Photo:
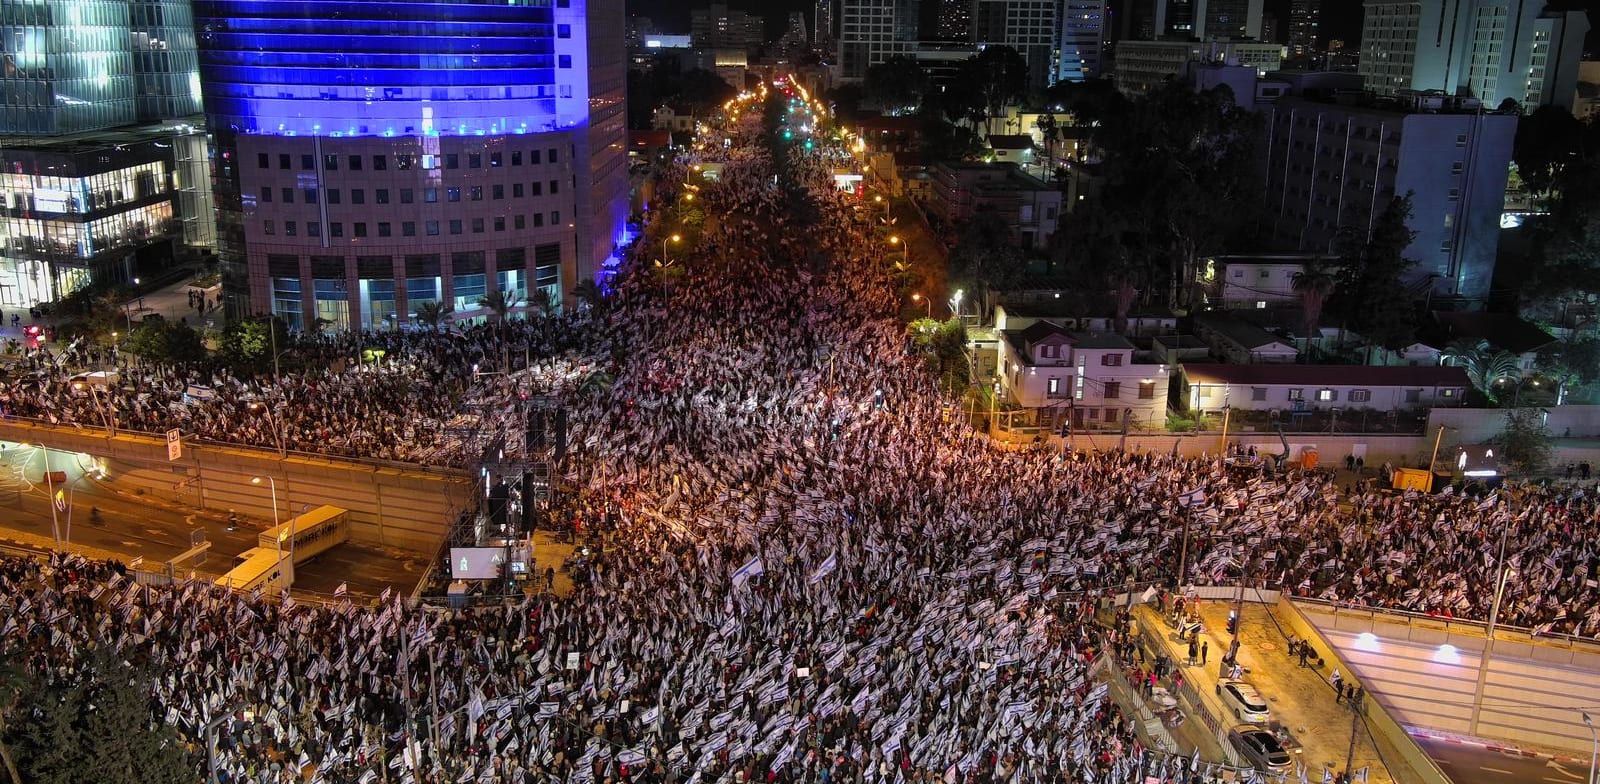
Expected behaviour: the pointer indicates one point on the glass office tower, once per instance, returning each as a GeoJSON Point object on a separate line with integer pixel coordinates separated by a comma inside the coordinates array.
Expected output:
{"type": "Point", "coordinates": [374, 156]}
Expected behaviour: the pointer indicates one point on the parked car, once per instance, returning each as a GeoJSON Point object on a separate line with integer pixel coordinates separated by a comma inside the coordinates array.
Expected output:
{"type": "Point", "coordinates": [1258, 745]}
{"type": "Point", "coordinates": [1242, 700]}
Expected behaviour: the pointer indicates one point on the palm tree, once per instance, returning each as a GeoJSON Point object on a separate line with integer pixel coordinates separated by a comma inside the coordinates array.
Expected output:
{"type": "Point", "coordinates": [1314, 282]}
{"type": "Point", "coordinates": [430, 313]}
{"type": "Point", "coordinates": [499, 302]}
{"type": "Point", "coordinates": [1484, 367]}
{"type": "Point", "coordinates": [589, 293]}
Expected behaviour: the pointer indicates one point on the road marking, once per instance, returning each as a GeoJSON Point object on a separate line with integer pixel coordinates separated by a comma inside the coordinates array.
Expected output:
{"type": "Point", "coordinates": [1495, 770]}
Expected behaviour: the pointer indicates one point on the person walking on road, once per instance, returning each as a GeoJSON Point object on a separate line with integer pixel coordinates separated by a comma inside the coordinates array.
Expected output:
{"type": "Point", "coordinates": [1194, 651]}
{"type": "Point", "coordinates": [1205, 650]}
{"type": "Point", "coordinates": [1335, 679]}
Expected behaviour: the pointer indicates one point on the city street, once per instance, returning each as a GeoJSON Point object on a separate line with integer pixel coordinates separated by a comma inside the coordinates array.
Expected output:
{"type": "Point", "coordinates": [1298, 697]}
{"type": "Point", "coordinates": [133, 526]}
{"type": "Point", "coordinates": [1470, 763]}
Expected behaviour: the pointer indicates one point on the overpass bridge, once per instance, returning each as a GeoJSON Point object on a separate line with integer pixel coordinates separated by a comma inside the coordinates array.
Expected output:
{"type": "Point", "coordinates": [397, 505]}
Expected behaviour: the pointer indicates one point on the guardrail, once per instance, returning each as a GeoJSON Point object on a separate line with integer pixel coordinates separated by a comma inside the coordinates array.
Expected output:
{"type": "Point", "coordinates": [102, 431]}
{"type": "Point", "coordinates": [1410, 619]}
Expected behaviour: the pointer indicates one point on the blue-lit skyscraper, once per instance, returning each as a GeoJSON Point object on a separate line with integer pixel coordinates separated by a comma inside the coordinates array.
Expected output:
{"type": "Point", "coordinates": [377, 155]}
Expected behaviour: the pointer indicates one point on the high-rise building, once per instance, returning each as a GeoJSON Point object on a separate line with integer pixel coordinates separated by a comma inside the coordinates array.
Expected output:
{"type": "Point", "coordinates": [955, 21]}
{"type": "Point", "coordinates": [719, 27]}
{"type": "Point", "coordinates": [1305, 22]}
{"type": "Point", "coordinates": [1270, 31]}
{"type": "Point", "coordinates": [822, 32]}
{"type": "Point", "coordinates": [69, 66]}
{"type": "Point", "coordinates": [872, 31]}
{"type": "Point", "coordinates": [1492, 50]}
{"type": "Point", "coordinates": [104, 163]}
{"type": "Point", "coordinates": [375, 157]}
{"type": "Point", "coordinates": [795, 40]}
{"type": "Point", "coordinates": [1029, 26]}
{"type": "Point", "coordinates": [1204, 19]}
{"type": "Point", "coordinates": [1060, 39]}
{"type": "Point", "coordinates": [1081, 48]}
{"type": "Point", "coordinates": [1336, 166]}
{"type": "Point", "coordinates": [1145, 65]}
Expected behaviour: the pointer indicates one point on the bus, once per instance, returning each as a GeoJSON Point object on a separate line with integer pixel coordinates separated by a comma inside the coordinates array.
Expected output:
{"type": "Point", "coordinates": [310, 534]}
{"type": "Point", "coordinates": [260, 567]}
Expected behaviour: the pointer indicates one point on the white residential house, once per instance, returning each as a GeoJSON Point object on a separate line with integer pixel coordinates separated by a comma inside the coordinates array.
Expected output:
{"type": "Point", "coordinates": [1091, 379]}
{"type": "Point", "coordinates": [1242, 342]}
{"type": "Point", "coordinates": [1290, 388]}
{"type": "Point", "coordinates": [1415, 355]}
{"type": "Point", "coordinates": [1024, 309]}
{"type": "Point", "coordinates": [1258, 282]}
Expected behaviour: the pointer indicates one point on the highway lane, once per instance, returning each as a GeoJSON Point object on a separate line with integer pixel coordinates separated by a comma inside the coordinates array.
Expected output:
{"type": "Point", "coordinates": [133, 526]}
{"type": "Point", "coordinates": [1468, 763]}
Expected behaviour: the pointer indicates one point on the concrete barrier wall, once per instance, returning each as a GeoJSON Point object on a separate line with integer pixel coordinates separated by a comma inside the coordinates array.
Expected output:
{"type": "Point", "coordinates": [1427, 673]}
{"type": "Point", "coordinates": [390, 505]}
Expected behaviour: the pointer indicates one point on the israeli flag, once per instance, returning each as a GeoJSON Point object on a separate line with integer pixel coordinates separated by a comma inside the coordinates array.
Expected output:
{"type": "Point", "coordinates": [1193, 497]}
{"type": "Point", "coordinates": [750, 569]}
{"type": "Point", "coordinates": [825, 568]}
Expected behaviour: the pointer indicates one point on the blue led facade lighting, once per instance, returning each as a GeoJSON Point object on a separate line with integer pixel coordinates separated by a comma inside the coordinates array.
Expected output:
{"type": "Point", "coordinates": [392, 68]}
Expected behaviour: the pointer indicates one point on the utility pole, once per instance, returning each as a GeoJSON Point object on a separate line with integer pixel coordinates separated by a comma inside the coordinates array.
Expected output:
{"type": "Point", "coordinates": [1357, 704]}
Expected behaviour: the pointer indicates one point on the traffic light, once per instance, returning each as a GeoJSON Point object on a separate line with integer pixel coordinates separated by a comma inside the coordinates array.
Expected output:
{"type": "Point", "coordinates": [1233, 624]}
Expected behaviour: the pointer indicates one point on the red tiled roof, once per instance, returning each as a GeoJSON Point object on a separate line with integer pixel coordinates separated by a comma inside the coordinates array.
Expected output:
{"type": "Point", "coordinates": [1326, 375]}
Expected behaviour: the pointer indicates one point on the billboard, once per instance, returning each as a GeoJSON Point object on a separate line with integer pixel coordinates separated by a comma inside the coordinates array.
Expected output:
{"type": "Point", "coordinates": [476, 563]}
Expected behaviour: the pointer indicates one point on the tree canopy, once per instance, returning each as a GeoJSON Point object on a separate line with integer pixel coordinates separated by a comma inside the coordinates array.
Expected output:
{"type": "Point", "coordinates": [1177, 165]}
{"type": "Point", "coordinates": [896, 85]}
{"type": "Point", "coordinates": [93, 727]}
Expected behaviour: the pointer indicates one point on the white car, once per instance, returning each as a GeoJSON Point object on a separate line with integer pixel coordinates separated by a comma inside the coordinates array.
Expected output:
{"type": "Point", "coordinates": [1243, 700]}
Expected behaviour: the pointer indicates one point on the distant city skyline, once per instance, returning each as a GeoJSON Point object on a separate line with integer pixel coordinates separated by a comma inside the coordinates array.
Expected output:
{"type": "Point", "coordinates": [1340, 20]}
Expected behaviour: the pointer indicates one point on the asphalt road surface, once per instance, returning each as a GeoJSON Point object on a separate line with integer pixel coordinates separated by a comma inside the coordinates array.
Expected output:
{"type": "Point", "coordinates": [1466, 763]}
{"type": "Point", "coordinates": [159, 531]}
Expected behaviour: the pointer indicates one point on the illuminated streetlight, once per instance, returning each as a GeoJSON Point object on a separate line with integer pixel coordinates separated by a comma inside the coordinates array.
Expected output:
{"type": "Point", "coordinates": [925, 301]}
{"type": "Point", "coordinates": [273, 483]}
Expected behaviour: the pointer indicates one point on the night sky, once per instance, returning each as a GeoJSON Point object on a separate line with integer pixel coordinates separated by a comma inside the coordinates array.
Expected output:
{"type": "Point", "coordinates": [1341, 18]}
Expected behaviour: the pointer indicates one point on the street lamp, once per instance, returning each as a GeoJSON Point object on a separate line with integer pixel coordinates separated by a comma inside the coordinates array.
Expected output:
{"type": "Point", "coordinates": [277, 535]}
{"type": "Point", "coordinates": [925, 301]}
{"type": "Point", "coordinates": [1594, 751]}
{"type": "Point", "coordinates": [261, 409]}
{"type": "Point", "coordinates": [1488, 644]}
{"type": "Point", "coordinates": [50, 482]}
{"type": "Point", "coordinates": [103, 405]}
{"type": "Point", "coordinates": [955, 303]}
{"type": "Point", "coordinates": [673, 238]}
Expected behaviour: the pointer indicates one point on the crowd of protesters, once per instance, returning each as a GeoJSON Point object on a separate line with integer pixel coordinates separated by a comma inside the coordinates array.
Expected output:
{"type": "Point", "coordinates": [819, 573]}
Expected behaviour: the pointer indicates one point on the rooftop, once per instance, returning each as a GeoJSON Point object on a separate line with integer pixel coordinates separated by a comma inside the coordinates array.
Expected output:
{"type": "Point", "coordinates": [1500, 330]}
{"type": "Point", "coordinates": [1326, 375]}
{"type": "Point", "coordinates": [89, 141]}
{"type": "Point", "coordinates": [1010, 141]}
{"type": "Point", "coordinates": [1244, 333]}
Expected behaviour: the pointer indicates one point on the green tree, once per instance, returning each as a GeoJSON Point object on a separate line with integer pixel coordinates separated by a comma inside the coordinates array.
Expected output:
{"type": "Point", "coordinates": [1484, 367]}
{"type": "Point", "coordinates": [1177, 164]}
{"type": "Point", "coordinates": [943, 346]}
{"type": "Point", "coordinates": [431, 313]}
{"type": "Point", "coordinates": [14, 683]}
{"type": "Point", "coordinates": [1525, 444]}
{"type": "Point", "coordinates": [247, 344]}
{"type": "Point", "coordinates": [1548, 141]}
{"type": "Point", "coordinates": [1372, 296]}
{"type": "Point", "coordinates": [1314, 282]}
{"type": "Point", "coordinates": [499, 302]}
{"type": "Point", "coordinates": [896, 85]}
{"type": "Point", "coordinates": [589, 295]}
{"type": "Point", "coordinates": [96, 727]}
{"type": "Point", "coordinates": [988, 82]}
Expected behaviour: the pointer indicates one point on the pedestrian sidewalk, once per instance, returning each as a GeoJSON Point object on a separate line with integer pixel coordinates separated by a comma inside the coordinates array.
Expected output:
{"type": "Point", "coordinates": [172, 303]}
{"type": "Point", "coordinates": [1301, 699]}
